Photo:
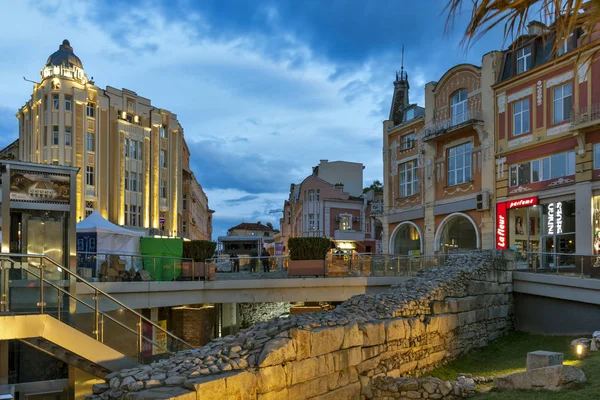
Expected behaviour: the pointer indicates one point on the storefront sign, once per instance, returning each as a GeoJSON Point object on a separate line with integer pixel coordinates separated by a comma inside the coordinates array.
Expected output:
{"type": "Point", "coordinates": [555, 218]}
{"type": "Point", "coordinates": [278, 249]}
{"type": "Point", "coordinates": [527, 202]}
{"type": "Point", "coordinates": [501, 227]}
{"type": "Point", "coordinates": [160, 337]}
{"type": "Point", "coordinates": [39, 187]}
{"type": "Point", "coordinates": [502, 220]}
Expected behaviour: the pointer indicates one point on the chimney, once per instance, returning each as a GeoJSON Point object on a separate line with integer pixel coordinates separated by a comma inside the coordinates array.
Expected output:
{"type": "Point", "coordinates": [536, 28]}
{"type": "Point", "coordinates": [339, 186]}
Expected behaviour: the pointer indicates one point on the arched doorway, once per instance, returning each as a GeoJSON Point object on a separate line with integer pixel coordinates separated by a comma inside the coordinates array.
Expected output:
{"type": "Point", "coordinates": [405, 239]}
{"type": "Point", "coordinates": [457, 232]}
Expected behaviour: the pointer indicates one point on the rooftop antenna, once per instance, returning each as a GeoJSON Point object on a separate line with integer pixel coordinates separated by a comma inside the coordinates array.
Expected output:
{"type": "Point", "coordinates": [401, 75]}
{"type": "Point", "coordinates": [402, 66]}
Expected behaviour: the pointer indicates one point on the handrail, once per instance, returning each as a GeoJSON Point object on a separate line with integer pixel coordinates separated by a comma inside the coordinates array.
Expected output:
{"type": "Point", "coordinates": [126, 255]}
{"type": "Point", "coordinates": [97, 291]}
{"type": "Point", "coordinates": [122, 325]}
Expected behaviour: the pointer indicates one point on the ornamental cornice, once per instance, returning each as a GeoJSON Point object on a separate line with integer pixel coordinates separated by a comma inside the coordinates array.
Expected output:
{"type": "Point", "coordinates": [557, 80]}
{"type": "Point", "coordinates": [520, 94]}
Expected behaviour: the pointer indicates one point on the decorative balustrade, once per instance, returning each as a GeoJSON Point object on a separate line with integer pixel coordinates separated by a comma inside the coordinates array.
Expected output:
{"type": "Point", "coordinates": [377, 208]}
{"type": "Point", "coordinates": [586, 116]}
{"type": "Point", "coordinates": [456, 121]}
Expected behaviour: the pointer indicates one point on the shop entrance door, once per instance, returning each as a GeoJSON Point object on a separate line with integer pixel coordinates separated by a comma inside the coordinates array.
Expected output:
{"type": "Point", "coordinates": [40, 232]}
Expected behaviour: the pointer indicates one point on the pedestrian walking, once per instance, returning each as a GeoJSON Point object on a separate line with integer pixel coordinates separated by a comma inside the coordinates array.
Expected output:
{"type": "Point", "coordinates": [265, 259]}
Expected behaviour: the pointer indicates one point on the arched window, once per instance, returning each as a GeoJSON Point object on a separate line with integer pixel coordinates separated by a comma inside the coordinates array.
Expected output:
{"type": "Point", "coordinates": [458, 107]}
{"type": "Point", "coordinates": [406, 239]}
{"type": "Point", "coordinates": [456, 233]}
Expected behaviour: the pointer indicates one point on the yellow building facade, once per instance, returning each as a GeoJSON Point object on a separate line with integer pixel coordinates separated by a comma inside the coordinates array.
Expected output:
{"type": "Point", "coordinates": [128, 151]}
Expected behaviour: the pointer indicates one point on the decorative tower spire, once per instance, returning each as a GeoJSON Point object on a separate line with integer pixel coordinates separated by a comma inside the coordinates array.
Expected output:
{"type": "Point", "coordinates": [400, 98]}
{"type": "Point", "coordinates": [402, 76]}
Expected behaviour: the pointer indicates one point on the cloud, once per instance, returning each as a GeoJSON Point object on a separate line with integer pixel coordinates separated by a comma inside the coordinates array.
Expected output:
{"type": "Point", "coordinates": [217, 165]}
{"type": "Point", "coordinates": [240, 200]}
{"type": "Point", "coordinates": [263, 89]}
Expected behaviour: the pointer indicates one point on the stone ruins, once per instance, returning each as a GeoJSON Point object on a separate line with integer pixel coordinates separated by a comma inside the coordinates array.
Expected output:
{"type": "Point", "coordinates": [346, 353]}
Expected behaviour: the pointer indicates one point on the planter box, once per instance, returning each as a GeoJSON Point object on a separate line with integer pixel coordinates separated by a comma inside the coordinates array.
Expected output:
{"type": "Point", "coordinates": [306, 267]}
{"type": "Point", "coordinates": [198, 271]}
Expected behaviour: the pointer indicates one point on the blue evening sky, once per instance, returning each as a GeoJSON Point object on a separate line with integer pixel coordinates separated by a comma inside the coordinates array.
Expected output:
{"type": "Point", "coordinates": [264, 89]}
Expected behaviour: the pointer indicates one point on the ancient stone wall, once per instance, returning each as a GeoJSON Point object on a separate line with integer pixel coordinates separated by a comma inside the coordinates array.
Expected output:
{"type": "Point", "coordinates": [253, 313]}
{"type": "Point", "coordinates": [388, 388]}
{"type": "Point", "coordinates": [440, 314]}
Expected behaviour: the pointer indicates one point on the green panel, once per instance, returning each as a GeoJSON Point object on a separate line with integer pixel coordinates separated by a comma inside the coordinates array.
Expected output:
{"type": "Point", "coordinates": [162, 269]}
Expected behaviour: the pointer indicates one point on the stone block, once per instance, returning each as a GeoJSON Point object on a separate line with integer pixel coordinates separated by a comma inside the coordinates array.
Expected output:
{"type": "Point", "coordinates": [341, 378]}
{"type": "Point", "coordinates": [436, 357]}
{"type": "Point", "coordinates": [417, 327]}
{"type": "Point", "coordinates": [407, 367]}
{"type": "Point", "coordinates": [366, 387]}
{"type": "Point", "coordinates": [350, 392]}
{"type": "Point", "coordinates": [439, 307]}
{"type": "Point", "coordinates": [368, 365]}
{"type": "Point", "coordinates": [447, 323]}
{"type": "Point", "coordinates": [370, 352]}
{"type": "Point", "coordinates": [305, 370]}
{"type": "Point", "coordinates": [542, 359]}
{"type": "Point", "coordinates": [326, 340]}
{"type": "Point", "coordinates": [162, 393]}
{"type": "Point", "coordinates": [555, 378]}
{"type": "Point", "coordinates": [373, 333]}
{"type": "Point", "coordinates": [395, 329]}
{"type": "Point", "coordinates": [352, 336]}
{"type": "Point", "coordinates": [476, 288]}
{"type": "Point", "coordinates": [301, 338]}
{"type": "Point", "coordinates": [481, 314]}
{"type": "Point", "coordinates": [283, 394]}
{"type": "Point", "coordinates": [277, 351]}
{"type": "Point", "coordinates": [308, 389]}
{"type": "Point", "coordinates": [271, 379]}
{"type": "Point", "coordinates": [241, 386]}
{"type": "Point", "coordinates": [466, 318]}
{"type": "Point", "coordinates": [206, 386]}
{"type": "Point", "coordinates": [343, 359]}
{"type": "Point", "coordinates": [461, 304]}
{"type": "Point", "coordinates": [327, 361]}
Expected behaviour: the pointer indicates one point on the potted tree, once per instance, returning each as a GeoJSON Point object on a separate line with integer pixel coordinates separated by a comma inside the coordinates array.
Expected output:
{"type": "Point", "coordinates": [199, 251]}
{"type": "Point", "coordinates": [307, 256]}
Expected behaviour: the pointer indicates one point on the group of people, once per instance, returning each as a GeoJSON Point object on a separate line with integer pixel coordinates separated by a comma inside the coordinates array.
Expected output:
{"type": "Point", "coordinates": [264, 257]}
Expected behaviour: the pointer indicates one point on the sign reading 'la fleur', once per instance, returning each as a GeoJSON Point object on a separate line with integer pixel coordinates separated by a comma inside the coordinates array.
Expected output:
{"type": "Point", "coordinates": [501, 217]}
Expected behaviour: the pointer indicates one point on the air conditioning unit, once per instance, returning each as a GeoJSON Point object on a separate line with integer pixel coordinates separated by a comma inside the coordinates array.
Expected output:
{"type": "Point", "coordinates": [483, 201]}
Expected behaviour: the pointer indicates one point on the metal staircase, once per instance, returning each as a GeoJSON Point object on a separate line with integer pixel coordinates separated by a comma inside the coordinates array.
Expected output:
{"type": "Point", "coordinates": [39, 307]}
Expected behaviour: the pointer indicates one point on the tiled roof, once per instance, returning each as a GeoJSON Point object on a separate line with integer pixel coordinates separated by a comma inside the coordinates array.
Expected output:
{"type": "Point", "coordinates": [253, 226]}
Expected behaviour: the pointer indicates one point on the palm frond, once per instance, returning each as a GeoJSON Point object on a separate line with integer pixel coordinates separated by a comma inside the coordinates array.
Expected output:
{"type": "Point", "coordinates": [564, 16]}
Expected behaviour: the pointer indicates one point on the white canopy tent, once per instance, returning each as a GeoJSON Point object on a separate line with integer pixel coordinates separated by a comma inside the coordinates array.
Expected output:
{"type": "Point", "coordinates": [111, 238]}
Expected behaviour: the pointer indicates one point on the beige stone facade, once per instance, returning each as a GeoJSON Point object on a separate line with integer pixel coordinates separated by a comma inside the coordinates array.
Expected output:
{"type": "Point", "coordinates": [129, 152]}
{"type": "Point", "coordinates": [196, 216]}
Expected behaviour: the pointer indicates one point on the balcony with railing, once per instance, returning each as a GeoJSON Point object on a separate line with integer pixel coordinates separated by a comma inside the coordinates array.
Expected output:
{"type": "Point", "coordinates": [341, 234]}
{"type": "Point", "coordinates": [437, 129]}
{"type": "Point", "coordinates": [376, 208]}
{"type": "Point", "coordinates": [586, 117]}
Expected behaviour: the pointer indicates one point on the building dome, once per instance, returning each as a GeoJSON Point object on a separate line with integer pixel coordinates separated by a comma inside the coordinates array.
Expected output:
{"type": "Point", "coordinates": [64, 56]}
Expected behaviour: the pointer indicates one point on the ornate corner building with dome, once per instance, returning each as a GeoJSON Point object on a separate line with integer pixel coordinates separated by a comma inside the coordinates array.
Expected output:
{"type": "Point", "coordinates": [129, 152]}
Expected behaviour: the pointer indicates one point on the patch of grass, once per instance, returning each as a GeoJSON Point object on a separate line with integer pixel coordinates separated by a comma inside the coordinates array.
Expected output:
{"type": "Point", "coordinates": [509, 354]}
